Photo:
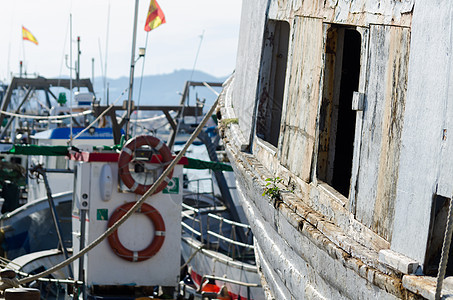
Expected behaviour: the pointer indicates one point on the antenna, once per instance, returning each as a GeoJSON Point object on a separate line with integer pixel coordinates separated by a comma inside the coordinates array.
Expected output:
{"type": "Point", "coordinates": [106, 55]}
{"type": "Point", "coordinates": [196, 56]}
{"type": "Point", "coordinates": [78, 64]}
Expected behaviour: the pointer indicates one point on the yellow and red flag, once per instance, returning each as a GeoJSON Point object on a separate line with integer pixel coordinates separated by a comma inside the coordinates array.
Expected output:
{"type": "Point", "coordinates": [26, 35]}
{"type": "Point", "coordinates": [155, 17]}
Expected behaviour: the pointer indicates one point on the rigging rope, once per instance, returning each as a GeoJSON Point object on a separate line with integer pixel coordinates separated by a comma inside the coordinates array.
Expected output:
{"type": "Point", "coordinates": [134, 208]}
{"type": "Point", "coordinates": [157, 118]}
{"type": "Point", "coordinates": [445, 251]}
{"type": "Point", "coordinates": [99, 117]}
{"type": "Point", "coordinates": [87, 112]}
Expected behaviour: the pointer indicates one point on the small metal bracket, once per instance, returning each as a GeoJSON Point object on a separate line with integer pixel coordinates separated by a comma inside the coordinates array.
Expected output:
{"type": "Point", "coordinates": [358, 101]}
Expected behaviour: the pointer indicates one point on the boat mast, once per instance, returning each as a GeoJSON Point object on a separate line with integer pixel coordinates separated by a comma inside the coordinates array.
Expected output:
{"type": "Point", "coordinates": [131, 76]}
{"type": "Point", "coordinates": [78, 64]}
{"type": "Point", "coordinates": [70, 78]}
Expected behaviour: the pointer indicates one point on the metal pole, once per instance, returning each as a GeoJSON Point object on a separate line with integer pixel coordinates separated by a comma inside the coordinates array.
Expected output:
{"type": "Point", "coordinates": [92, 70]}
{"type": "Point", "coordinates": [78, 64]}
{"type": "Point", "coordinates": [10, 121]}
{"type": "Point", "coordinates": [207, 231]}
{"type": "Point", "coordinates": [82, 245]}
{"type": "Point", "coordinates": [56, 221]}
{"type": "Point", "coordinates": [70, 77]}
{"type": "Point", "coordinates": [131, 75]}
{"type": "Point", "coordinates": [222, 183]}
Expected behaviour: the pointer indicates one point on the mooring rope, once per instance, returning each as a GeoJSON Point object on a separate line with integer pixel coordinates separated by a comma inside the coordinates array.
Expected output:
{"type": "Point", "coordinates": [133, 209]}
{"type": "Point", "coordinates": [192, 256]}
{"type": "Point", "coordinates": [445, 251]}
{"type": "Point", "coordinates": [9, 283]}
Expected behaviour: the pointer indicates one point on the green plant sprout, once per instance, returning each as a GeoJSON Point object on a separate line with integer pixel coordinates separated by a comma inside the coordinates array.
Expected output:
{"type": "Point", "coordinates": [229, 121]}
{"type": "Point", "coordinates": [271, 189]}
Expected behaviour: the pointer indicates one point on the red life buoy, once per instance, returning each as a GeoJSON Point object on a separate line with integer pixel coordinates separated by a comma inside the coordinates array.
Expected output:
{"type": "Point", "coordinates": [126, 156]}
{"type": "Point", "coordinates": [153, 247]}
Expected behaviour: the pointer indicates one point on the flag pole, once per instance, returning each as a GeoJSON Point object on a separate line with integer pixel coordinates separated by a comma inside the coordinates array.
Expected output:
{"type": "Point", "coordinates": [23, 55]}
{"type": "Point", "coordinates": [131, 76]}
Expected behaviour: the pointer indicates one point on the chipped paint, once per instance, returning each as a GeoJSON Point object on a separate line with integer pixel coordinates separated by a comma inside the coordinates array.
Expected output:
{"type": "Point", "coordinates": [320, 241]}
{"type": "Point", "coordinates": [382, 127]}
{"type": "Point", "coordinates": [298, 117]}
{"type": "Point", "coordinates": [357, 12]}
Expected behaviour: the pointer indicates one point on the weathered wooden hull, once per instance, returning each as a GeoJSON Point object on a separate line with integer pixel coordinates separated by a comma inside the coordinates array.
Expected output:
{"type": "Point", "coordinates": [301, 253]}
{"type": "Point", "coordinates": [347, 105]}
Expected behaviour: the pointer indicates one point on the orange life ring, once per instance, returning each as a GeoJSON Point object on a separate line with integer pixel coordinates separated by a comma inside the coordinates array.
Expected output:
{"type": "Point", "coordinates": [155, 245]}
{"type": "Point", "coordinates": [126, 156]}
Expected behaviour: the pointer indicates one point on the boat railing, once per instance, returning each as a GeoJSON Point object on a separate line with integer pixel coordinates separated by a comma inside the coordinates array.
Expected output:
{"type": "Point", "coordinates": [196, 212]}
{"type": "Point", "coordinates": [191, 217]}
{"type": "Point", "coordinates": [198, 191]}
{"type": "Point", "coordinates": [233, 230]}
{"type": "Point", "coordinates": [208, 235]}
{"type": "Point", "coordinates": [224, 279]}
{"type": "Point", "coordinates": [231, 281]}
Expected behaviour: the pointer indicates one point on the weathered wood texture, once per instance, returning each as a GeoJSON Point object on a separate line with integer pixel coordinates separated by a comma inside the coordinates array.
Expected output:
{"type": "Point", "coordinates": [272, 80]}
{"type": "Point", "coordinates": [299, 118]}
{"type": "Point", "coordinates": [266, 80]}
{"type": "Point", "coordinates": [365, 34]}
{"type": "Point", "coordinates": [248, 56]}
{"type": "Point", "coordinates": [358, 12]}
{"type": "Point", "coordinates": [382, 127]}
{"type": "Point", "coordinates": [328, 116]}
{"type": "Point", "coordinates": [297, 248]}
{"type": "Point", "coordinates": [428, 107]}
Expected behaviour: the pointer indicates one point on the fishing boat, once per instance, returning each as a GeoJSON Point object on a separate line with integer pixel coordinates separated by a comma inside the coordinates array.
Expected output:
{"type": "Point", "coordinates": [27, 226]}
{"type": "Point", "coordinates": [32, 232]}
{"type": "Point", "coordinates": [336, 122]}
{"type": "Point", "coordinates": [214, 257]}
{"type": "Point", "coordinates": [231, 265]}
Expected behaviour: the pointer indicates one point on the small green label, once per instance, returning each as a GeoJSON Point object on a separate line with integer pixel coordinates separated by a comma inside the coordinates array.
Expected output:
{"type": "Point", "coordinates": [172, 187]}
{"type": "Point", "coordinates": [102, 214]}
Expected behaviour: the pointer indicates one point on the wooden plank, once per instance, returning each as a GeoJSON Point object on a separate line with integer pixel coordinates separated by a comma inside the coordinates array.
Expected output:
{"type": "Point", "coordinates": [431, 66]}
{"type": "Point", "coordinates": [299, 119]}
{"type": "Point", "coordinates": [245, 78]}
{"type": "Point", "coordinates": [42, 83]}
{"type": "Point", "coordinates": [382, 127]}
{"type": "Point", "coordinates": [359, 120]}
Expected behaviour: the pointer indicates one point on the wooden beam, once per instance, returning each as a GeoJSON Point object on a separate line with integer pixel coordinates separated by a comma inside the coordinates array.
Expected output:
{"type": "Point", "coordinates": [170, 119]}
{"type": "Point", "coordinates": [42, 83]}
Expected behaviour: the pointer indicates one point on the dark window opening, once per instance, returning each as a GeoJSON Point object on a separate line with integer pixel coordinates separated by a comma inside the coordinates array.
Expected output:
{"type": "Point", "coordinates": [272, 80]}
{"type": "Point", "coordinates": [337, 119]}
{"type": "Point", "coordinates": [439, 214]}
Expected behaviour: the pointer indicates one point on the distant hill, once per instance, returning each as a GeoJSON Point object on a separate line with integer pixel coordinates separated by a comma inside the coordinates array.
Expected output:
{"type": "Point", "coordinates": [161, 89]}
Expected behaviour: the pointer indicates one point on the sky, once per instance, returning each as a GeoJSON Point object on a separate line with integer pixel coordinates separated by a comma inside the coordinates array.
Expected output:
{"type": "Point", "coordinates": [209, 25]}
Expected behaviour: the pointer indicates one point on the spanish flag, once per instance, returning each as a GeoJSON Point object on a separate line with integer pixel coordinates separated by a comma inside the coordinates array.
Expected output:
{"type": "Point", "coordinates": [26, 35]}
{"type": "Point", "coordinates": [155, 16]}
